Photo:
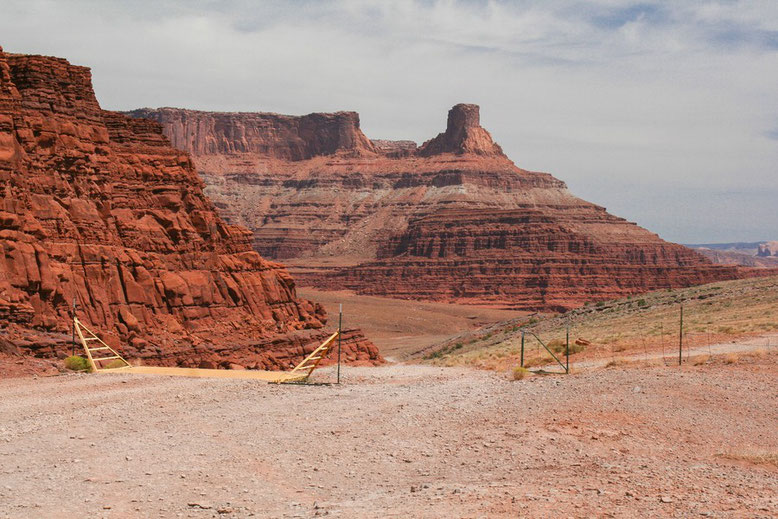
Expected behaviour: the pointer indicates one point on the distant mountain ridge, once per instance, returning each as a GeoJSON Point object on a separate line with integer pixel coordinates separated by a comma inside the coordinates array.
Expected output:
{"type": "Point", "coordinates": [761, 254]}
{"type": "Point", "coordinates": [727, 246]}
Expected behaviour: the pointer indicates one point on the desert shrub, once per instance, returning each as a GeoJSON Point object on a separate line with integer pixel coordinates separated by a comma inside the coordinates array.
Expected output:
{"type": "Point", "coordinates": [600, 304]}
{"type": "Point", "coordinates": [458, 346]}
{"type": "Point", "coordinates": [115, 363]}
{"type": "Point", "coordinates": [642, 303]}
{"type": "Point", "coordinates": [519, 373]}
{"type": "Point", "coordinates": [76, 363]}
{"type": "Point", "coordinates": [699, 360]}
{"type": "Point", "coordinates": [532, 321]}
{"type": "Point", "coordinates": [576, 348]}
{"type": "Point", "coordinates": [434, 355]}
{"type": "Point", "coordinates": [731, 358]}
{"type": "Point", "coordinates": [536, 361]}
{"type": "Point", "coordinates": [556, 345]}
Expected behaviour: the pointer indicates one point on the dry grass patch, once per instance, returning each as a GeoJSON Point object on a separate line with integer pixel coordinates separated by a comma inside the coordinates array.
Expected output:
{"type": "Point", "coordinates": [731, 358]}
{"type": "Point", "coordinates": [520, 373]}
{"type": "Point", "coordinates": [714, 313]}
{"type": "Point", "coordinates": [613, 363]}
{"type": "Point", "coordinates": [700, 360]}
{"type": "Point", "coordinates": [537, 361]}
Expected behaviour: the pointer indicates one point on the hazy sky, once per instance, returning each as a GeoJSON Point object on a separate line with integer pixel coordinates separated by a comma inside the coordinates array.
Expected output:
{"type": "Point", "coordinates": [664, 112]}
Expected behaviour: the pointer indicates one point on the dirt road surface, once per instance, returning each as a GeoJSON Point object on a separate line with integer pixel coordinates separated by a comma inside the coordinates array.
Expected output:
{"type": "Point", "coordinates": [396, 441]}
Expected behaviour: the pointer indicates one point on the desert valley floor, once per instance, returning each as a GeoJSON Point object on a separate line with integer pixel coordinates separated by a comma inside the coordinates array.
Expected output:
{"type": "Point", "coordinates": [398, 441]}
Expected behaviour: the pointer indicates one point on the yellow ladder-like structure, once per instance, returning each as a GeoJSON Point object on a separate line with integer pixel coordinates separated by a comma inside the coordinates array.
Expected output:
{"type": "Point", "coordinates": [299, 374]}
{"type": "Point", "coordinates": [88, 337]}
{"type": "Point", "coordinates": [303, 370]}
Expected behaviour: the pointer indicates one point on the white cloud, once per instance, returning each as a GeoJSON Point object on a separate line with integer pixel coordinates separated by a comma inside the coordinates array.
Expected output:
{"type": "Point", "coordinates": [632, 103]}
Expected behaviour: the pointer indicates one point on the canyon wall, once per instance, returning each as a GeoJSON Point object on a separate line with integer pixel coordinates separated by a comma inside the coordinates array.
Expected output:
{"type": "Point", "coordinates": [451, 220]}
{"type": "Point", "coordinates": [97, 207]}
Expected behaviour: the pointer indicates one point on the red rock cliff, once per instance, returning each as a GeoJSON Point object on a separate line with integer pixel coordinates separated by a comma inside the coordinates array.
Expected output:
{"type": "Point", "coordinates": [452, 220]}
{"type": "Point", "coordinates": [99, 207]}
{"type": "Point", "coordinates": [264, 134]}
{"type": "Point", "coordinates": [463, 134]}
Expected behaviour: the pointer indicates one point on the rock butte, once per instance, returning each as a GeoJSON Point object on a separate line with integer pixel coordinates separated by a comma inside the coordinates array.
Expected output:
{"type": "Point", "coordinates": [99, 207]}
{"type": "Point", "coordinates": [452, 220]}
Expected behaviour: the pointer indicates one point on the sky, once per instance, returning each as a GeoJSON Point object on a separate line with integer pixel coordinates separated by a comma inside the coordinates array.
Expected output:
{"type": "Point", "coordinates": [666, 113]}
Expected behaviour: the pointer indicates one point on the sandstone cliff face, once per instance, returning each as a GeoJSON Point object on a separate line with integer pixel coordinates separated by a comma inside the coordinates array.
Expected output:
{"type": "Point", "coordinates": [463, 134]}
{"type": "Point", "coordinates": [98, 207]}
{"type": "Point", "coordinates": [265, 134]}
{"type": "Point", "coordinates": [452, 220]}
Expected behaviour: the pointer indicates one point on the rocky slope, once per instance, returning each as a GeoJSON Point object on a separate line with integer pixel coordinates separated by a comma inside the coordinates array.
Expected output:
{"type": "Point", "coordinates": [98, 207]}
{"type": "Point", "coordinates": [451, 220]}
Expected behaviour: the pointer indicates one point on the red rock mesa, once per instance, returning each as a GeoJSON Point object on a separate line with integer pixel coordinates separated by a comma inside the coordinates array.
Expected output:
{"type": "Point", "coordinates": [99, 207]}
{"type": "Point", "coordinates": [452, 220]}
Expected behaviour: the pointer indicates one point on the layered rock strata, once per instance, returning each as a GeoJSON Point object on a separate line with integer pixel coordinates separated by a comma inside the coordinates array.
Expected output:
{"type": "Point", "coordinates": [98, 208]}
{"type": "Point", "coordinates": [451, 220]}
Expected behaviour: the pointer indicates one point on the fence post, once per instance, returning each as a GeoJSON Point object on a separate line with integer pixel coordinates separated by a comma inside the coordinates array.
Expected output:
{"type": "Point", "coordinates": [567, 351]}
{"type": "Point", "coordinates": [340, 328]}
{"type": "Point", "coordinates": [522, 348]}
{"type": "Point", "coordinates": [680, 339]}
{"type": "Point", "coordinates": [73, 329]}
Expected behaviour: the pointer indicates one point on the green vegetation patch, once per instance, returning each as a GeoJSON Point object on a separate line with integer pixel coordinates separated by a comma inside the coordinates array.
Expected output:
{"type": "Point", "coordinates": [76, 363]}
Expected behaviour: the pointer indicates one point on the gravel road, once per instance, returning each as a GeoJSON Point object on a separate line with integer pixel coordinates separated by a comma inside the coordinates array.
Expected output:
{"type": "Point", "coordinates": [395, 441]}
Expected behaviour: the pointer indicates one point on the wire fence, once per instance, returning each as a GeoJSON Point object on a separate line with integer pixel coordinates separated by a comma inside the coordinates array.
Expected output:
{"type": "Point", "coordinates": [675, 336]}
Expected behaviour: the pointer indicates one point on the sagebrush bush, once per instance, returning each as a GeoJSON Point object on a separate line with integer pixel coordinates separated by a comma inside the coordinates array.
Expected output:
{"type": "Point", "coordinates": [76, 363]}
{"type": "Point", "coordinates": [520, 373]}
{"type": "Point", "coordinates": [115, 363]}
{"type": "Point", "coordinates": [576, 348]}
{"type": "Point", "coordinates": [556, 345]}
{"type": "Point", "coordinates": [559, 346]}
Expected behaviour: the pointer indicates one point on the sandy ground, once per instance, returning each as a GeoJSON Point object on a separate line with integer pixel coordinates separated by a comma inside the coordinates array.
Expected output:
{"type": "Point", "coordinates": [401, 328]}
{"type": "Point", "coordinates": [396, 441]}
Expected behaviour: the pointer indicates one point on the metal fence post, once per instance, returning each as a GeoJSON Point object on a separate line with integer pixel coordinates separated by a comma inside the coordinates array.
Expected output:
{"type": "Point", "coordinates": [567, 351]}
{"type": "Point", "coordinates": [340, 334]}
{"type": "Point", "coordinates": [680, 339]}
{"type": "Point", "coordinates": [73, 329]}
{"type": "Point", "coordinates": [522, 348]}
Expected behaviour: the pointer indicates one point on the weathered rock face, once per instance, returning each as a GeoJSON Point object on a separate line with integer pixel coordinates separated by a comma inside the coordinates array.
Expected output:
{"type": "Point", "coordinates": [452, 220]}
{"type": "Point", "coordinates": [269, 135]}
{"type": "Point", "coordinates": [98, 207]}
{"type": "Point", "coordinates": [526, 258]}
{"type": "Point", "coordinates": [768, 249]}
{"type": "Point", "coordinates": [463, 134]}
